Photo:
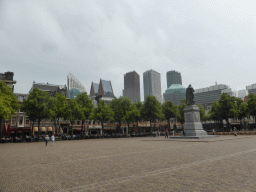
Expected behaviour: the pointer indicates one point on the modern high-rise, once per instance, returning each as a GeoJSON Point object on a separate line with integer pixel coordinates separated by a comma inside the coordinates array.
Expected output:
{"type": "Point", "coordinates": [175, 93]}
{"type": "Point", "coordinates": [206, 96]}
{"type": "Point", "coordinates": [251, 89]}
{"type": "Point", "coordinates": [173, 77]}
{"type": "Point", "coordinates": [74, 86]}
{"type": "Point", "coordinates": [152, 84]}
{"type": "Point", "coordinates": [105, 91]}
{"type": "Point", "coordinates": [132, 86]}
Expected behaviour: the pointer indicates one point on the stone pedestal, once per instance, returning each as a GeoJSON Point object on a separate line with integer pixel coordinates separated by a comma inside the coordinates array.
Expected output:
{"type": "Point", "coordinates": [193, 126]}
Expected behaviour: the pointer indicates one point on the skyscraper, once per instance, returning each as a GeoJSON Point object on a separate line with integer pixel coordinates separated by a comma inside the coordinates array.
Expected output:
{"type": "Point", "coordinates": [175, 91]}
{"type": "Point", "coordinates": [152, 84]}
{"type": "Point", "coordinates": [173, 77]}
{"type": "Point", "coordinates": [132, 86]}
{"type": "Point", "coordinates": [74, 86]}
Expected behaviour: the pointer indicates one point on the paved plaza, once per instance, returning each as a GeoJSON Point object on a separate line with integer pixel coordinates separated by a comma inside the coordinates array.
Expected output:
{"type": "Point", "coordinates": [226, 163]}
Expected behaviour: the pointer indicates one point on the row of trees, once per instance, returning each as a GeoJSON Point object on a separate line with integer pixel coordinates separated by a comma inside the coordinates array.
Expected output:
{"type": "Point", "coordinates": [40, 105]}
{"type": "Point", "coordinates": [233, 107]}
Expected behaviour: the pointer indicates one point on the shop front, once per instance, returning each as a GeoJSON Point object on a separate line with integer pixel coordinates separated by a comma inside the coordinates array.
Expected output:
{"type": "Point", "coordinates": [95, 129]}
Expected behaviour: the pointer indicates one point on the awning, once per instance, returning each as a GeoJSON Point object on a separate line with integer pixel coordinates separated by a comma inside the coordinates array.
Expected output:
{"type": "Point", "coordinates": [144, 125]}
{"type": "Point", "coordinates": [76, 129]}
{"type": "Point", "coordinates": [35, 129]}
{"type": "Point", "coordinates": [110, 127]}
{"type": "Point", "coordinates": [95, 126]}
{"type": "Point", "coordinates": [49, 129]}
{"type": "Point", "coordinates": [43, 129]}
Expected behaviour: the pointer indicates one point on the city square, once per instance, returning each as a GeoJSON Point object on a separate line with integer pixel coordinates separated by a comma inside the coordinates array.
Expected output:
{"type": "Point", "coordinates": [105, 83]}
{"type": "Point", "coordinates": [224, 163]}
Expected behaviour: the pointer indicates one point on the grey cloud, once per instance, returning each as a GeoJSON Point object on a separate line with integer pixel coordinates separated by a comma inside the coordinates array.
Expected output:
{"type": "Point", "coordinates": [105, 39]}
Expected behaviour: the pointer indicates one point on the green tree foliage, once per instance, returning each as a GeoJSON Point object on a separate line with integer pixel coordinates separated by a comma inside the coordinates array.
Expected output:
{"type": "Point", "coordinates": [8, 103]}
{"type": "Point", "coordinates": [228, 107]}
{"type": "Point", "coordinates": [115, 105]}
{"type": "Point", "coordinates": [73, 111]}
{"type": "Point", "coordinates": [180, 115]}
{"type": "Point", "coordinates": [243, 111]}
{"type": "Point", "coordinates": [124, 110]}
{"type": "Point", "coordinates": [132, 114]}
{"type": "Point", "coordinates": [102, 113]}
{"type": "Point", "coordinates": [57, 107]}
{"type": "Point", "coordinates": [139, 106]}
{"type": "Point", "coordinates": [125, 107]}
{"type": "Point", "coordinates": [37, 106]}
{"type": "Point", "coordinates": [251, 103]}
{"type": "Point", "coordinates": [86, 105]}
{"type": "Point", "coordinates": [214, 113]}
{"type": "Point", "coordinates": [169, 111]}
{"type": "Point", "coordinates": [151, 109]}
{"type": "Point", "coordinates": [203, 115]}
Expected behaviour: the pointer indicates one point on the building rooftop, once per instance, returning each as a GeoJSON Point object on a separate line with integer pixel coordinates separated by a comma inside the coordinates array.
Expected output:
{"type": "Point", "coordinates": [175, 87]}
{"type": "Point", "coordinates": [107, 87]}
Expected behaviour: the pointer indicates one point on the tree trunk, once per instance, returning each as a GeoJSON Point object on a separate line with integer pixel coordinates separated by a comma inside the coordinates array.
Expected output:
{"type": "Point", "coordinates": [102, 127]}
{"type": "Point", "coordinates": [228, 127]}
{"type": "Point", "coordinates": [119, 127]}
{"type": "Point", "coordinates": [1, 131]}
{"type": "Point", "coordinates": [58, 127]}
{"type": "Point", "coordinates": [31, 131]}
{"type": "Point", "coordinates": [128, 127]}
{"type": "Point", "coordinates": [82, 130]}
{"type": "Point", "coordinates": [255, 121]}
{"type": "Point", "coordinates": [169, 124]}
{"type": "Point", "coordinates": [39, 130]}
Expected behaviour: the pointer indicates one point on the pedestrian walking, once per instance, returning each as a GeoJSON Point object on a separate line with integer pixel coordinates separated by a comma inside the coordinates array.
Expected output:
{"type": "Point", "coordinates": [166, 133]}
{"type": "Point", "coordinates": [46, 140]}
{"type": "Point", "coordinates": [235, 131]}
{"type": "Point", "coordinates": [53, 138]}
{"type": "Point", "coordinates": [213, 131]}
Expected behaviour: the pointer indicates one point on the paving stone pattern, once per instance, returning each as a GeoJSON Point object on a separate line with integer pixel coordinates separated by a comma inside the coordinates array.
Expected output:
{"type": "Point", "coordinates": [226, 163]}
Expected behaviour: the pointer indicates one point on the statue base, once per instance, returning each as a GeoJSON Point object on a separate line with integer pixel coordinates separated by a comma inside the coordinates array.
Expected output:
{"type": "Point", "coordinates": [193, 126]}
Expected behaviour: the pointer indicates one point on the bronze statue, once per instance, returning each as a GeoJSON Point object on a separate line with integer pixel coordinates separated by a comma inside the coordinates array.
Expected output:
{"type": "Point", "coordinates": [190, 95]}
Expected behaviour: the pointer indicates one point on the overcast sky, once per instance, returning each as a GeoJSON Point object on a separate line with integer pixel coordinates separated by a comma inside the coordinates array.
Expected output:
{"type": "Point", "coordinates": [207, 41]}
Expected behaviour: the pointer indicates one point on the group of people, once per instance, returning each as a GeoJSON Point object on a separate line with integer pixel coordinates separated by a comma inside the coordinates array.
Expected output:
{"type": "Point", "coordinates": [47, 138]}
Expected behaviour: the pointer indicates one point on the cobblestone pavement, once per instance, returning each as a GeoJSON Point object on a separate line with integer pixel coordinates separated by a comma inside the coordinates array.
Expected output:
{"type": "Point", "coordinates": [226, 163]}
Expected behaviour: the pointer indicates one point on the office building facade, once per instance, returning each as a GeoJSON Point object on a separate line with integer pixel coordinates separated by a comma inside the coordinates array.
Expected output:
{"type": "Point", "coordinates": [132, 86]}
{"type": "Point", "coordinates": [105, 91]}
{"type": "Point", "coordinates": [173, 77]}
{"type": "Point", "coordinates": [51, 89]}
{"type": "Point", "coordinates": [175, 93]}
{"type": "Point", "coordinates": [206, 96]}
{"type": "Point", "coordinates": [74, 86]}
{"type": "Point", "coordinates": [251, 89]}
{"type": "Point", "coordinates": [152, 84]}
{"type": "Point", "coordinates": [7, 77]}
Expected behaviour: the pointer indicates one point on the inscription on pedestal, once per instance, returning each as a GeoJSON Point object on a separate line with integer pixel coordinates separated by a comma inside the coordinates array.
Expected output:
{"type": "Point", "coordinates": [188, 117]}
{"type": "Point", "coordinates": [196, 117]}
